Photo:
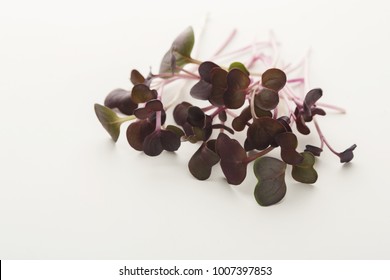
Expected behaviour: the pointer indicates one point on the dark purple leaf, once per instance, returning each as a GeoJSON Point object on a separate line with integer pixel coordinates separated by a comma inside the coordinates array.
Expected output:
{"type": "Point", "coordinates": [203, 160]}
{"type": "Point", "coordinates": [261, 133]}
{"type": "Point", "coordinates": [347, 155]}
{"type": "Point", "coordinates": [152, 145]}
{"type": "Point", "coordinates": [274, 79]}
{"type": "Point", "coordinates": [170, 141]}
{"type": "Point", "coordinates": [285, 121]}
{"type": "Point", "coordinates": [222, 116]}
{"type": "Point", "coordinates": [137, 132]}
{"type": "Point", "coordinates": [201, 90]}
{"type": "Point", "coordinates": [301, 125]}
{"type": "Point", "coordinates": [233, 159]}
{"type": "Point", "coordinates": [267, 99]}
{"type": "Point", "coordinates": [271, 187]}
{"type": "Point", "coordinates": [205, 70]}
{"type": "Point", "coordinates": [288, 142]}
{"type": "Point", "coordinates": [151, 107]}
{"type": "Point", "coordinates": [310, 99]}
{"type": "Point", "coordinates": [314, 150]}
{"type": "Point", "coordinates": [241, 121]}
{"type": "Point", "coordinates": [219, 86]}
{"type": "Point", "coordinates": [180, 113]}
{"type": "Point", "coordinates": [121, 99]}
{"type": "Point", "coordinates": [196, 117]}
{"type": "Point", "coordinates": [237, 82]}
{"type": "Point", "coordinates": [152, 117]}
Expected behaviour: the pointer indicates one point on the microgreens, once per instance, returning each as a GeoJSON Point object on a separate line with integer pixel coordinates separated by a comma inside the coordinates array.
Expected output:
{"type": "Point", "coordinates": [273, 111]}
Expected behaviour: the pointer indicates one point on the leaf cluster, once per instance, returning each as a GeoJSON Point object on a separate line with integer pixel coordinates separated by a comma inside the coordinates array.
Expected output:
{"type": "Point", "coordinates": [224, 90]}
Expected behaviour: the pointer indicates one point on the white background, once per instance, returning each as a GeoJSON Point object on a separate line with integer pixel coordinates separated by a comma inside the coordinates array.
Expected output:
{"type": "Point", "coordinates": [68, 192]}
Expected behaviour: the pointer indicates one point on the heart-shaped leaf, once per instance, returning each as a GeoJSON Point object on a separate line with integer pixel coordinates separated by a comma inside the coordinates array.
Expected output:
{"type": "Point", "coordinates": [288, 142]}
{"type": "Point", "coordinates": [137, 132]}
{"type": "Point", "coordinates": [237, 82]}
{"type": "Point", "coordinates": [241, 121]}
{"type": "Point", "coordinates": [261, 133]}
{"type": "Point", "coordinates": [152, 145]}
{"type": "Point", "coordinates": [271, 187]}
{"type": "Point", "coordinates": [233, 159]}
{"type": "Point", "coordinates": [203, 160]}
{"type": "Point", "coordinates": [196, 117]}
{"type": "Point", "coordinates": [121, 99]}
{"type": "Point", "coordinates": [305, 172]}
{"type": "Point", "coordinates": [151, 107]}
{"type": "Point", "coordinates": [219, 86]}
{"type": "Point", "coordinates": [180, 52]}
{"type": "Point", "coordinates": [202, 89]}
{"type": "Point", "coordinates": [142, 93]}
{"type": "Point", "coordinates": [274, 79]}
{"type": "Point", "coordinates": [180, 113]}
{"type": "Point", "coordinates": [170, 141]}
{"type": "Point", "coordinates": [267, 99]}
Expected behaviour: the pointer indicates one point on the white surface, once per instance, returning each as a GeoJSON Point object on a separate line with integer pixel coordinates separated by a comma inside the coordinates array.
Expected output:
{"type": "Point", "coordinates": [66, 191]}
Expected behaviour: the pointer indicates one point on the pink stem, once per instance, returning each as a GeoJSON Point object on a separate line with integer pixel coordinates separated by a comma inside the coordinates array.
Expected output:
{"type": "Point", "coordinates": [322, 138]}
{"type": "Point", "coordinates": [226, 43]}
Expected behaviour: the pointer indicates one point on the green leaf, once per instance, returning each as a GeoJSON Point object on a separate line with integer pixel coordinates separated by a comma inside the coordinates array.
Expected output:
{"type": "Point", "coordinates": [109, 120]}
{"type": "Point", "coordinates": [239, 66]}
{"type": "Point", "coordinates": [305, 172]}
{"type": "Point", "coordinates": [180, 52]}
{"type": "Point", "coordinates": [271, 187]}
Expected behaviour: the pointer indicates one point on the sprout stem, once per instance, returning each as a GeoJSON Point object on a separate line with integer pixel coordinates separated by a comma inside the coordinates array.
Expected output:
{"type": "Point", "coordinates": [257, 155]}
{"type": "Point", "coordinates": [226, 43]}
{"type": "Point", "coordinates": [323, 139]}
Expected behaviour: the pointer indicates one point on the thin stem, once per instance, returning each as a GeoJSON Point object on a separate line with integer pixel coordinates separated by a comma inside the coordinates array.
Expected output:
{"type": "Point", "coordinates": [275, 49]}
{"type": "Point", "coordinates": [158, 121]}
{"type": "Point", "coordinates": [306, 83]}
{"type": "Point", "coordinates": [242, 50]}
{"type": "Point", "coordinates": [226, 43]}
{"type": "Point", "coordinates": [193, 76]}
{"type": "Point", "coordinates": [217, 111]}
{"type": "Point", "coordinates": [195, 61]}
{"type": "Point", "coordinates": [323, 139]}
{"type": "Point", "coordinates": [201, 34]}
{"type": "Point", "coordinates": [125, 119]}
{"type": "Point", "coordinates": [333, 107]}
{"type": "Point", "coordinates": [257, 155]}
{"type": "Point", "coordinates": [296, 80]}
{"type": "Point", "coordinates": [230, 113]}
{"type": "Point", "coordinates": [208, 108]}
